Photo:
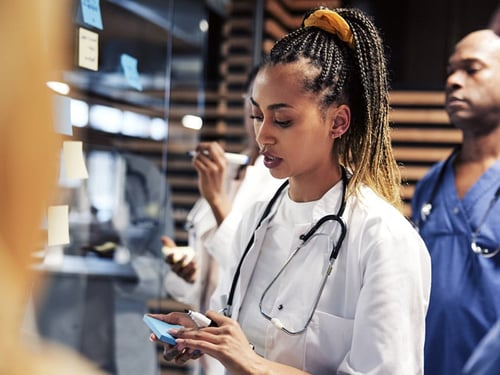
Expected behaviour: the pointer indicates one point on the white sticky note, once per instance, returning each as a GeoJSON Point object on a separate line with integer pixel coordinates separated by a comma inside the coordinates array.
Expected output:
{"type": "Point", "coordinates": [91, 12]}
{"type": "Point", "coordinates": [58, 225]}
{"type": "Point", "coordinates": [62, 117]}
{"type": "Point", "coordinates": [88, 49]}
{"type": "Point", "coordinates": [129, 65]}
{"type": "Point", "coordinates": [74, 162]}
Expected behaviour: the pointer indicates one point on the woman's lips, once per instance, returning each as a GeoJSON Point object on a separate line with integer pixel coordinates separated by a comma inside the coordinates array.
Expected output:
{"type": "Point", "coordinates": [271, 161]}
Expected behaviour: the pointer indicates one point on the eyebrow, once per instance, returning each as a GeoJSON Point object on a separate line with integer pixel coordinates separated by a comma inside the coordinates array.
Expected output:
{"type": "Point", "coordinates": [272, 106]}
{"type": "Point", "coordinates": [466, 61]}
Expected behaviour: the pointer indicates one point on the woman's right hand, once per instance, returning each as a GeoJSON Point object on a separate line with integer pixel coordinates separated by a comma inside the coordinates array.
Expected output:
{"type": "Point", "coordinates": [227, 343]}
{"type": "Point", "coordinates": [212, 168]}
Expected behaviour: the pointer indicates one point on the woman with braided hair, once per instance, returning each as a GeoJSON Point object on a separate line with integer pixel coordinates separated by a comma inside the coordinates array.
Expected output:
{"type": "Point", "coordinates": [332, 279]}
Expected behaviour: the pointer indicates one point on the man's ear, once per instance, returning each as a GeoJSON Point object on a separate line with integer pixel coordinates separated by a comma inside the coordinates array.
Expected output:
{"type": "Point", "coordinates": [340, 120]}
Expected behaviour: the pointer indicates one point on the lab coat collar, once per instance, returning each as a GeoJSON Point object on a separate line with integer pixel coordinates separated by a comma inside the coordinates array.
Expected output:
{"type": "Point", "coordinates": [329, 203]}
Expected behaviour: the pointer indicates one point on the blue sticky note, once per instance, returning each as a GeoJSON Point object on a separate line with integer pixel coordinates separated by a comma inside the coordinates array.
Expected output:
{"type": "Point", "coordinates": [91, 11]}
{"type": "Point", "coordinates": [160, 329]}
{"type": "Point", "coordinates": [129, 65]}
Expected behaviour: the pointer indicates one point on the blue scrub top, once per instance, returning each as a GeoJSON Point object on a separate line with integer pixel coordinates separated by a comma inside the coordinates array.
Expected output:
{"type": "Point", "coordinates": [465, 292]}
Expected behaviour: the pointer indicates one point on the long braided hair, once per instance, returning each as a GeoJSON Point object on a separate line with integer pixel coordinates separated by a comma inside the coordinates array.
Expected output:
{"type": "Point", "coordinates": [355, 75]}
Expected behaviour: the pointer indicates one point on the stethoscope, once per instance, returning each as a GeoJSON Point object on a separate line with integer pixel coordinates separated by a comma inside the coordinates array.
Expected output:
{"type": "Point", "coordinates": [304, 238]}
{"type": "Point", "coordinates": [427, 207]}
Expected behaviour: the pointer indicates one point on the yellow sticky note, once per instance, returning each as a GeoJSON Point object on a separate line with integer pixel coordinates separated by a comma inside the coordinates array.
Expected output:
{"type": "Point", "coordinates": [58, 225]}
{"type": "Point", "coordinates": [88, 49]}
{"type": "Point", "coordinates": [74, 162]}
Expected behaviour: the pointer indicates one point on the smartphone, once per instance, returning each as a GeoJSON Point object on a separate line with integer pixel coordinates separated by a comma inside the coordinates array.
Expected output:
{"type": "Point", "coordinates": [160, 329]}
{"type": "Point", "coordinates": [178, 253]}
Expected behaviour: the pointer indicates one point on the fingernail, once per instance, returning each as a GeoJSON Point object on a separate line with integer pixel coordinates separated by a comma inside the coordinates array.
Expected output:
{"type": "Point", "coordinates": [170, 354]}
{"type": "Point", "coordinates": [196, 354]}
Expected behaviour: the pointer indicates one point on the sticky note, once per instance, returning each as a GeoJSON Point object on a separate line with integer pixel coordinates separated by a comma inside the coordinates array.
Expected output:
{"type": "Point", "coordinates": [58, 225]}
{"type": "Point", "coordinates": [129, 65]}
{"type": "Point", "coordinates": [62, 118]}
{"type": "Point", "coordinates": [88, 49]}
{"type": "Point", "coordinates": [74, 162]}
{"type": "Point", "coordinates": [91, 11]}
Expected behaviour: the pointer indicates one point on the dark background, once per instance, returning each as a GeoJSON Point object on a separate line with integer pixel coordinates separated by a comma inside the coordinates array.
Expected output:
{"type": "Point", "coordinates": [420, 35]}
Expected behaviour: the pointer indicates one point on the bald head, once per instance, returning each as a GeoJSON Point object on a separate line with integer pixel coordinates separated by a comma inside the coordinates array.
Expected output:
{"type": "Point", "coordinates": [481, 41]}
{"type": "Point", "coordinates": [482, 46]}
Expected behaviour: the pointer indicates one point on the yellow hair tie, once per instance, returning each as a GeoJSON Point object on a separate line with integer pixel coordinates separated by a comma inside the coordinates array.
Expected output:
{"type": "Point", "coordinates": [332, 22]}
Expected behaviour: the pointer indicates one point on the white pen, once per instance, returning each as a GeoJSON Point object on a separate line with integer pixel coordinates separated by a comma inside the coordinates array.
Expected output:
{"type": "Point", "coordinates": [231, 157]}
{"type": "Point", "coordinates": [200, 320]}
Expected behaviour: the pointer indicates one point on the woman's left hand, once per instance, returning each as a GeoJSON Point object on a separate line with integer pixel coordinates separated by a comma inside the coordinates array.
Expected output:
{"type": "Point", "coordinates": [226, 343]}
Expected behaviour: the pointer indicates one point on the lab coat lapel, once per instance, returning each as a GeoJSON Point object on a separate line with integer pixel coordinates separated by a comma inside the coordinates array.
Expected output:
{"type": "Point", "coordinates": [247, 268]}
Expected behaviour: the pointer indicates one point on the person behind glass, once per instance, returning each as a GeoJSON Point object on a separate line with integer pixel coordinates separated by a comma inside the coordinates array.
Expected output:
{"type": "Point", "coordinates": [334, 278]}
{"type": "Point", "coordinates": [456, 209]}
{"type": "Point", "coordinates": [226, 192]}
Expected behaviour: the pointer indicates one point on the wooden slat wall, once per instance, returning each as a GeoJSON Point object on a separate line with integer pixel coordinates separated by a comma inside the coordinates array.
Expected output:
{"type": "Point", "coordinates": [421, 136]}
{"type": "Point", "coordinates": [421, 133]}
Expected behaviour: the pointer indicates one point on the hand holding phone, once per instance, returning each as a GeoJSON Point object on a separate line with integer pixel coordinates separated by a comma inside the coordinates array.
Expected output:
{"type": "Point", "coordinates": [179, 252]}
{"type": "Point", "coordinates": [160, 329]}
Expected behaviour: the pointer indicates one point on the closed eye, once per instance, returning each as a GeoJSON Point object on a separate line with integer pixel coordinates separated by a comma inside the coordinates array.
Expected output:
{"type": "Point", "coordinates": [471, 71]}
{"type": "Point", "coordinates": [283, 124]}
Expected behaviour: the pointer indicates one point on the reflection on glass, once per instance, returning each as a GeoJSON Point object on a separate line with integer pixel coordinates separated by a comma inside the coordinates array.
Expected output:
{"type": "Point", "coordinates": [159, 129]}
{"type": "Point", "coordinates": [105, 118]}
{"type": "Point", "coordinates": [192, 122]}
{"type": "Point", "coordinates": [104, 183]}
{"type": "Point", "coordinates": [135, 125]}
{"type": "Point", "coordinates": [79, 113]}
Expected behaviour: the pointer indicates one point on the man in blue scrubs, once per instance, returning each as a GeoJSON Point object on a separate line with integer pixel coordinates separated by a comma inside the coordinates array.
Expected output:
{"type": "Point", "coordinates": [456, 207]}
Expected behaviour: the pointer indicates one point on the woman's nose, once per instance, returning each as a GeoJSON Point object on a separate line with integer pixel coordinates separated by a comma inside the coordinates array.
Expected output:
{"type": "Point", "coordinates": [262, 133]}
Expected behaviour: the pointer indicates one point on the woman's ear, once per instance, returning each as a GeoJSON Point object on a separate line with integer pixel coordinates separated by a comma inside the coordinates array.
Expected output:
{"type": "Point", "coordinates": [340, 120]}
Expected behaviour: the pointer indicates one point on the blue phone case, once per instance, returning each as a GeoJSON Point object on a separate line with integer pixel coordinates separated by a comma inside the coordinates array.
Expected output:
{"type": "Point", "coordinates": [160, 329]}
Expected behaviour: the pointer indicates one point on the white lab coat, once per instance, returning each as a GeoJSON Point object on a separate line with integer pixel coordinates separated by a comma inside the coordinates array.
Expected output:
{"type": "Point", "coordinates": [212, 244]}
{"type": "Point", "coordinates": [371, 315]}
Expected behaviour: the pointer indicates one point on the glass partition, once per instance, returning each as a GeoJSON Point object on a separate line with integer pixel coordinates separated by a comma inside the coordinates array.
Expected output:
{"type": "Point", "coordinates": [104, 265]}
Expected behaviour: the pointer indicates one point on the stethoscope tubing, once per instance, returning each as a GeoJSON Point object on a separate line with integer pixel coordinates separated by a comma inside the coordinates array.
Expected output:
{"type": "Point", "coordinates": [427, 206]}
{"type": "Point", "coordinates": [228, 309]}
{"type": "Point", "coordinates": [337, 217]}
{"type": "Point", "coordinates": [333, 256]}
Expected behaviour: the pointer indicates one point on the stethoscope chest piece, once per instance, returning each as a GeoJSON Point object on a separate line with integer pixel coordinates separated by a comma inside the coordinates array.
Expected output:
{"type": "Point", "coordinates": [425, 211]}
